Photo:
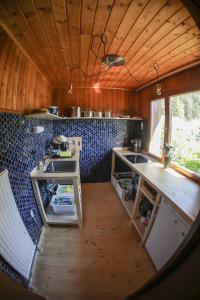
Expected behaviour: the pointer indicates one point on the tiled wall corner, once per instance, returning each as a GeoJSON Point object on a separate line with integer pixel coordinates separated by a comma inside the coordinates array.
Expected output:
{"type": "Point", "coordinates": [20, 151]}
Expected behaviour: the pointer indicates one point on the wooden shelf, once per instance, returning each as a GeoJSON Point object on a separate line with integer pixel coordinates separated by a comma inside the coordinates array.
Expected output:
{"type": "Point", "coordinates": [48, 116]}
{"type": "Point", "coordinates": [44, 115]}
{"type": "Point", "coordinates": [64, 219]}
{"type": "Point", "coordinates": [147, 195]}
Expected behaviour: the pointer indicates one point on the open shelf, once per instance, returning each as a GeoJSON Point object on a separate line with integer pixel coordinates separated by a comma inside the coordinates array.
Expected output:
{"type": "Point", "coordinates": [43, 115]}
{"type": "Point", "coordinates": [60, 219]}
{"type": "Point", "coordinates": [48, 116]}
{"type": "Point", "coordinates": [149, 192]}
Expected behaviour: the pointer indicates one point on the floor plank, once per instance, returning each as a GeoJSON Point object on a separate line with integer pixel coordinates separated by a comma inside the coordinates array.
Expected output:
{"type": "Point", "coordinates": [104, 260]}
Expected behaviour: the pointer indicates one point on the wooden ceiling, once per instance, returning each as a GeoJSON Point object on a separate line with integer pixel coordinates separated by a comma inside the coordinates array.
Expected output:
{"type": "Point", "coordinates": [56, 34]}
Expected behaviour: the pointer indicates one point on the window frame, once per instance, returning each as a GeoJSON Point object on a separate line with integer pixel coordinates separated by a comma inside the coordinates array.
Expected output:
{"type": "Point", "coordinates": [167, 134]}
{"type": "Point", "coordinates": [161, 159]}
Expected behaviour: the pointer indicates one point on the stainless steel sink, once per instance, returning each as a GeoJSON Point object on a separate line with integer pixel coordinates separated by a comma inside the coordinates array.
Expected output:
{"type": "Point", "coordinates": [137, 158]}
{"type": "Point", "coordinates": [61, 167]}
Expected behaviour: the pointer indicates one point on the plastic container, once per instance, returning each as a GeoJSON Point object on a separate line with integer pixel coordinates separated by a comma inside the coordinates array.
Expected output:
{"type": "Point", "coordinates": [64, 189]}
{"type": "Point", "coordinates": [63, 204]}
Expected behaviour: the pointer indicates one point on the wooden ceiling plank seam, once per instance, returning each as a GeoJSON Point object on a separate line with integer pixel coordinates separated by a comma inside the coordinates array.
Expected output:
{"type": "Point", "coordinates": [12, 29]}
{"type": "Point", "coordinates": [73, 9]}
{"type": "Point", "coordinates": [137, 28]}
{"type": "Point", "coordinates": [161, 56]}
{"type": "Point", "coordinates": [74, 28]}
{"type": "Point", "coordinates": [90, 41]}
{"type": "Point", "coordinates": [143, 30]}
{"type": "Point", "coordinates": [68, 30]}
{"type": "Point", "coordinates": [179, 64]}
{"type": "Point", "coordinates": [101, 18]}
{"type": "Point", "coordinates": [143, 42]}
{"type": "Point", "coordinates": [3, 60]}
{"type": "Point", "coordinates": [180, 49]}
{"type": "Point", "coordinates": [66, 61]}
{"type": "Point", "coordinates": [87, 20]}
{"type": "Point", "coordinates": [165, 49]}
{"type": "Point", "coordinates": [17, 15]}
{"type": "Point", "coordinates": [29, 10]}
{"type": "Point", "coordinates": [44, 12]}
{"type": "Point", "coordinates": [141, 9]}
{"type": "Point", "coordinates": [62, 27]}
{"type": "Point", "coordinates": [162, 39]}
{"type": "Point", "coordinates": [110, 39]}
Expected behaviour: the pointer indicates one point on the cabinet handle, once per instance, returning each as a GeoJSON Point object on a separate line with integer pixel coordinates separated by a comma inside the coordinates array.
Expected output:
{"type": "Point", "coordinates": [175, 221]}
{"type": "Point", "coordinates": [182, 233]}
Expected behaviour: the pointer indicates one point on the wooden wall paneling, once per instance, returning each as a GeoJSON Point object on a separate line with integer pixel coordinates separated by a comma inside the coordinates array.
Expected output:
{"type": "Point", "coordinates": [33, 19]}
{"type": "Point", "coordinates": [5, 78]}
{"type": "Point", "coordinates": [13, 78]}
{"type": "Point", "coordinates": [116, 101]}
{"type": "Point", "coordinates": [11, 14]}
{"type": "Point", "coordinates": [21, 85]}
{"type": "Point", "coordinates": [182, 82]}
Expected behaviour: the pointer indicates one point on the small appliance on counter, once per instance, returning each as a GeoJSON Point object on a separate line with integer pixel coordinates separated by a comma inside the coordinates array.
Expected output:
{"type": "Point", "coordinates": [61, 147]}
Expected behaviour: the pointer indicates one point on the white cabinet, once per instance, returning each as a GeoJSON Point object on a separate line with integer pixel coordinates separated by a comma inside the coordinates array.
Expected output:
{"type": "Point", "coordinates": [168, 231]}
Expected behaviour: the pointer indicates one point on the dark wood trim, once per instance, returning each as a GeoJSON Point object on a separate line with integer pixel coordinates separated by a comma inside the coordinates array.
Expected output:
{"type": "Point", "coordinates": [194, 9]}
{"type": "Point", "coordinates": [186, 173]}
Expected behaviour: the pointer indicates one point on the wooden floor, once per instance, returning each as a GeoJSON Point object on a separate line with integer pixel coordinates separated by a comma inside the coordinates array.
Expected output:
{"type": "Point", "coordinates": [101, 261]}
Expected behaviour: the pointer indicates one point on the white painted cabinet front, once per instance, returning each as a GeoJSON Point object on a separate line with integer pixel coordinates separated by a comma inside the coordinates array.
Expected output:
{"type": "Point", "coordinates": [168, 231]}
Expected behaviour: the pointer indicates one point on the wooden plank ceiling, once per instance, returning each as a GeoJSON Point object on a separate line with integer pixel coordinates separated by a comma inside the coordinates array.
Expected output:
{"type": "Point", "coordinates": [56, 34]}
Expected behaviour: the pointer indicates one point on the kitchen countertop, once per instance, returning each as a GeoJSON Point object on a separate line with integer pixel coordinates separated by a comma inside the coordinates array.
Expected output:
{"type": "Point", "coordinates": [40, 174]}
{"type": "Point", "coordinates": [183, 193]}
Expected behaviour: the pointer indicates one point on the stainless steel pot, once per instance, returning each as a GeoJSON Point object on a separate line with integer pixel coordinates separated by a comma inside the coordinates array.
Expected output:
{"type": "Point", "coordinates": [87, 114]}
{"type": "Point", "coordinates": [98, 114]}
{"type": "Point", "coordinates": [107, 114]}
{"type": "Point", "coordinates": [76, 112]}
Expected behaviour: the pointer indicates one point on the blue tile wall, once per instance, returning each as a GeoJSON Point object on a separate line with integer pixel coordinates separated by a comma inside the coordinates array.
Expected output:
{"type": "Point", "coordinates": [99, 137]}
{"type": "Point", "coordinates": [20, 151]}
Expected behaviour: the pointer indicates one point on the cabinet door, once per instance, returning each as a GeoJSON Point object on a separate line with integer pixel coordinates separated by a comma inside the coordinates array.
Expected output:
{"type": "Point", "coordinates": [167, 233]}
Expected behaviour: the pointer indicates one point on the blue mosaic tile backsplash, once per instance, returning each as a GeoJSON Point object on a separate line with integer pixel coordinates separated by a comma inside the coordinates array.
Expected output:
{"type": "Point", "coordinates": [99, 137]}
{"type": "Point", "coordinates": [20, 151]}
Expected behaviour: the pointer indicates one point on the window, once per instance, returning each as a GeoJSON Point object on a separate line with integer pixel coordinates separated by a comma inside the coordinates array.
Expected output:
{"type": "Point", "coordinates": [157, 127]}
{"type": "Point", "coordinates": [185, 130]}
